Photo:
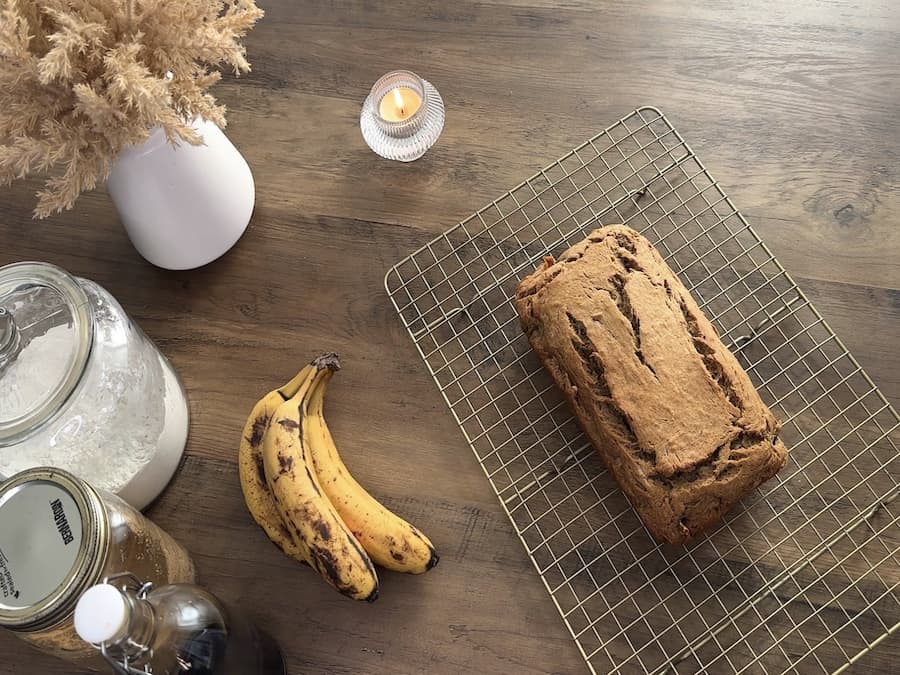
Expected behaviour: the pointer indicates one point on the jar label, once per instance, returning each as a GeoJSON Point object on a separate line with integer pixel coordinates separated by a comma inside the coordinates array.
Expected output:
{"type": "Point", "coordinates": [40, 539]}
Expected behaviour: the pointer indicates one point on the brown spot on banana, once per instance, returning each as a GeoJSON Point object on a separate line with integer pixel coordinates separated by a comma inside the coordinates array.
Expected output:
{"type": "Point", "coordinates": [354, 542]}
{"type": "Point", "coordinates": [285, 464]}
{"type": "Point", "coordinates": [259, 429]}
{"type": "Point", "coordinates": [328, 565]}
{"type": "Point", "coordinates": [289, 424]}
{"type": "Point", "coordinates": [324, 530]}
{"type": "Point", "coordinates": [261, 471]}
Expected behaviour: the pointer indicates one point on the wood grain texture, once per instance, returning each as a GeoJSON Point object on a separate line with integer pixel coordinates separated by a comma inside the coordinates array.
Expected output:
{"type": "Point", "coordinates": [793, 106]}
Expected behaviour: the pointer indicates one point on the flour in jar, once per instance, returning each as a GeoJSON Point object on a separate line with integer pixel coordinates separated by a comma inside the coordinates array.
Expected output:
{"type": "Point", "coordinates": [29, 376]}
{"type": "Point", "coordinates": [112, 426]}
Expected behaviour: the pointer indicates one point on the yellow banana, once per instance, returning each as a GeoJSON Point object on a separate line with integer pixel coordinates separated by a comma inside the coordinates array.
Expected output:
{"type": "Point", "coordinates": [257, 495]}
{"type": "Point", "coordinates": [304, 507]}
{"type": "Point", "coordinates": [389, 540]}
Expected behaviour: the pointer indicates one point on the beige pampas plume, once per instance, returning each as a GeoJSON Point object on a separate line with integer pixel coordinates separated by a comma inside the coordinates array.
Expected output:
{"type": "Point", "coordinates": [82, 79]}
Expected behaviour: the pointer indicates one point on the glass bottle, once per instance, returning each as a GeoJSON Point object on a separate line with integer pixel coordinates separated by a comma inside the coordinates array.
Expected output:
{"type": "Point", "coordinates": [172, 629]}
{"type": "Point", "coordinates": [60, 536]}
{"type": "Point", "coordinates": [82, 388]}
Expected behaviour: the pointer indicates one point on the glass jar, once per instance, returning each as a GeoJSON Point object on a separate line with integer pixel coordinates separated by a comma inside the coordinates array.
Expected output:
{"type": "Point", "coordinates": [82, 388]}
{"type": "Point", "coordinates": [58, 537]}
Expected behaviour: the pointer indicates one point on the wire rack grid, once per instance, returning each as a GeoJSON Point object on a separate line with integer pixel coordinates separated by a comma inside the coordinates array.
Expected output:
{"type": "Point", "coordinates": [801, 577]}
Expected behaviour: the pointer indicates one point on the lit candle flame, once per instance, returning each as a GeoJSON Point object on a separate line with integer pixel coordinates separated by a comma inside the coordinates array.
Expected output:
{"type": "Point", "coordinates": [398, 100]}
{"type": "Point", "coordinates": [399, 104]}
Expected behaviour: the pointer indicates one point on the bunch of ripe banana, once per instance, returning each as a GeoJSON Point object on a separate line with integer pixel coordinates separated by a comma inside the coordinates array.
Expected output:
{"type": "Point", "coordinates": [299, 491]}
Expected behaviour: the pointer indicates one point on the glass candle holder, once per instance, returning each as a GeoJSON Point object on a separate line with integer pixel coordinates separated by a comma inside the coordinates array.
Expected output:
{"type": "Point", "coordinates": [402, 117]}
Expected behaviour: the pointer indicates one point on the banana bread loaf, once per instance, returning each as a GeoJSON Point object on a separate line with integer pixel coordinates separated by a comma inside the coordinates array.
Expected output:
{"type": "Point", "coordinates": [668, 407]}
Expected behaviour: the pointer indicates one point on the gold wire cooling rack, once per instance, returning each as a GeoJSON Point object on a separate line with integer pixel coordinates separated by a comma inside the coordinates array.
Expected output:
{"type": "Point", "coordinates": [802, 577]}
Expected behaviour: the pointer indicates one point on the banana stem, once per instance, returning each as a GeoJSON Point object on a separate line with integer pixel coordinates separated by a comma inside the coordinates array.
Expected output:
{"type": "Point", "coordinates": [328, 360]}
{"type": "Point", "coordinates": [317, 394]}
{"type": "Point", "coordinates": [288, 390]}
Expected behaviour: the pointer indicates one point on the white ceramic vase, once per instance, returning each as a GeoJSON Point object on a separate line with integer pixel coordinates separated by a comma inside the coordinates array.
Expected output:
{"type": "Point", "coordinates": [183, 206]}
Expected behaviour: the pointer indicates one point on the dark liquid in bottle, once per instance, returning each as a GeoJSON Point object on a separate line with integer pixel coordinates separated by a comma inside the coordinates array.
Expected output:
{"type": "Point", "coordinates": [243, 648]}
{"type": "Point", "coordinates": [188, 630]}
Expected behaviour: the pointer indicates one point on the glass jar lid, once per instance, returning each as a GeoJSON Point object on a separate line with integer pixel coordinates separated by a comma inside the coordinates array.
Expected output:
{"type": "Point", "coordinates": [46, 331]}
{"type": "Point", "coordinates": [54, 534]}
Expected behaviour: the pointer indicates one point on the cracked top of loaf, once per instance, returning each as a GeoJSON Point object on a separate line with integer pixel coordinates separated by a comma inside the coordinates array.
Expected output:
{"type": "Point", "coordinates": [667, 405]}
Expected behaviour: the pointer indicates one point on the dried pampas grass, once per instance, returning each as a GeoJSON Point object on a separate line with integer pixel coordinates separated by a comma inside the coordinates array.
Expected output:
{"type": "Point", "coordinates": [82, 79]}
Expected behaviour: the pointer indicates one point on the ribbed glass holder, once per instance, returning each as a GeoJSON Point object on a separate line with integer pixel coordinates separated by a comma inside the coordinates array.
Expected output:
{"type": "Point", "coordinates": [404, 140]}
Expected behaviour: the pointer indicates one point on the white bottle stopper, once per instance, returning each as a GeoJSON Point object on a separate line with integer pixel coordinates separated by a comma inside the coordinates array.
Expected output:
{"type": "Point", "coordinates": [101, 614]}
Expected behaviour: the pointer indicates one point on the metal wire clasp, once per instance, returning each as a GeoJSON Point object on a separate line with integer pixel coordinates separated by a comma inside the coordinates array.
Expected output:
{"type": "Point", "coordinates": [10, 339]}
{"type": "Point", "coordinates": [141, 589]}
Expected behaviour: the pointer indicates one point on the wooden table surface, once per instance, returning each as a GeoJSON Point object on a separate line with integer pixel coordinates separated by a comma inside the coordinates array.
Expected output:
{"type": "Point", "coordinates": [793, 107]}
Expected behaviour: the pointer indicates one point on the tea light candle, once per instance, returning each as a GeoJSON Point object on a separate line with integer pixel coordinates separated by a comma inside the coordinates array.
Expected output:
{"type": "Point", "coordinates": [402, 117]}
{"type": "Point", "coordinates": [399, 105]}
